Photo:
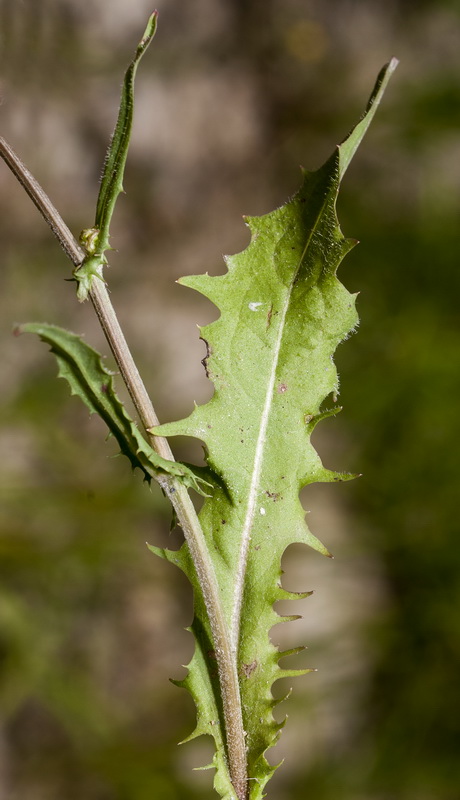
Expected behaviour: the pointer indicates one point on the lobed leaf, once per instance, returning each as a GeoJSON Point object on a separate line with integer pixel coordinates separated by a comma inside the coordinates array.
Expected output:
{"type": "Point", "coordinates": [88, 378]}
{"type": "Point", "coordinates": [270, 356]}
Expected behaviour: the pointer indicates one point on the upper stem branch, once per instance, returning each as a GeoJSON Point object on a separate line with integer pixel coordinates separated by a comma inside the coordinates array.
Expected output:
{"type": "Point", "coordinates": [176, 491]}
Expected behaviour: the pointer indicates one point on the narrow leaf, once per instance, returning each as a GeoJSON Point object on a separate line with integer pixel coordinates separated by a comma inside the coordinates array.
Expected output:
{"type": "Point", "coordinates": [88, 378]}
{"type": "Point", "coordinates": [112, 178]}
{"type": "Point", "coordinates": [270, 356]}
{"type": "Point", "coordinates": [96, 240]}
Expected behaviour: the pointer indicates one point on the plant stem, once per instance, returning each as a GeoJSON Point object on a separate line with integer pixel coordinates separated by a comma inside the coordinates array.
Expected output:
{"type": "Point", "coordinates": [176, 491]}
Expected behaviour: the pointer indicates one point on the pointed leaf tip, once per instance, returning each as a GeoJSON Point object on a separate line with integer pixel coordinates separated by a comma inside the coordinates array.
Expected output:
{"type": "Point", "coordinates": [350, 144]}
{"type": "Point", "coordinates": [150, 29]}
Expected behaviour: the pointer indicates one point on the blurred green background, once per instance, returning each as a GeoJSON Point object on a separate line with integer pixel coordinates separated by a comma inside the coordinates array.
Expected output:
{"type": "Point", "coordinates": [232, 97]}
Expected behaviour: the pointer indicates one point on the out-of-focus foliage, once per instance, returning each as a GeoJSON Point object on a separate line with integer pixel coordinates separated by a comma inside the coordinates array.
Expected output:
{"type": "Point", "coordinates": [89, 622]}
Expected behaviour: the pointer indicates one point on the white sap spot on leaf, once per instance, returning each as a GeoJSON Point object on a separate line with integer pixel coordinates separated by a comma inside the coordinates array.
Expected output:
{"type": "Point", "coordinates": [262, 510]}
{"type": "Point", "coordinates": [254, 306]}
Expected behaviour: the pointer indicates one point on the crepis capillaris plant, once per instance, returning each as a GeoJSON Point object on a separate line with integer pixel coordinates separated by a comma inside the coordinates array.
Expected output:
{"type": "Point", "coordinates": [270, 357]}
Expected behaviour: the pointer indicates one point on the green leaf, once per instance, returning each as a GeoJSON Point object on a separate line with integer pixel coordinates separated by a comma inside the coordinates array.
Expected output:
{"type": "Point", "coordinates": [270, 356]}
{"type": "Point", "coordinates": [96, 240]}
{"type": "Point", "coordinates": [88, 378]}
{"type": "Point", "coordinates": [112, 178]}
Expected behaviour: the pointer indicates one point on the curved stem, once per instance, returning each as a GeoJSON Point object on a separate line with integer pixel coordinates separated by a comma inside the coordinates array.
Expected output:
{"type": "Point", "coordinates": [177, 493]}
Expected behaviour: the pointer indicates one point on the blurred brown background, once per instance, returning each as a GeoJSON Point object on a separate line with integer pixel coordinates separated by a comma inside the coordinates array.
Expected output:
{"type": "Point", "coordinates": [231, 98]}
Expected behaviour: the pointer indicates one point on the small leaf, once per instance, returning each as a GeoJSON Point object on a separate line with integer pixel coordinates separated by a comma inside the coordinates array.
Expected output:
{"type": "Point", "coordinates": [96, 240]}
{"type": "Point", "coordinates": [112, 178]}
{"type": "Point", "coordinates": [88, 378]}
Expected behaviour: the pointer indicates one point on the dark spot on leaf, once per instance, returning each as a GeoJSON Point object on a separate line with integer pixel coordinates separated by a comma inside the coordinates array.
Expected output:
{"type": "Point", "coordinates": [257, 547]}
{"type": "Point", "coordinates": [273, 496]}
{"type": "Point", "coordinates": [248, 669]}
{"type": "Point", "coordinates": [269, 316]}
{"type": "Point", "coordinates": [104, 388]}
{"type": "Point", "coordinates": [212, 654]}
{"type": "Point", "coordinates": [224, 522]}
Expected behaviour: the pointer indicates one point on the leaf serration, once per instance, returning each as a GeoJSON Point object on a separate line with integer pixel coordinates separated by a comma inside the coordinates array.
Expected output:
{"type": "Point", "coordinates": [272, 372]}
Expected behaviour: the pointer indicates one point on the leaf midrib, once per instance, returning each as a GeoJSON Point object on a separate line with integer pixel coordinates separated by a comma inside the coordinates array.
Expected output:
{"type": "Point", "coordinates": [240, 577]}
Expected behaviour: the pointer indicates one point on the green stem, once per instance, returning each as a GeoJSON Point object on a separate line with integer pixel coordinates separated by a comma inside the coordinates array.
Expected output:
{"type": "Point", "coordinates": [177, 493]}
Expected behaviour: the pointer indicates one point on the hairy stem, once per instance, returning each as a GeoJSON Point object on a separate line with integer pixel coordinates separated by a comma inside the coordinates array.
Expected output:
{"type": "Point", "coordinates": [177, 493]}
